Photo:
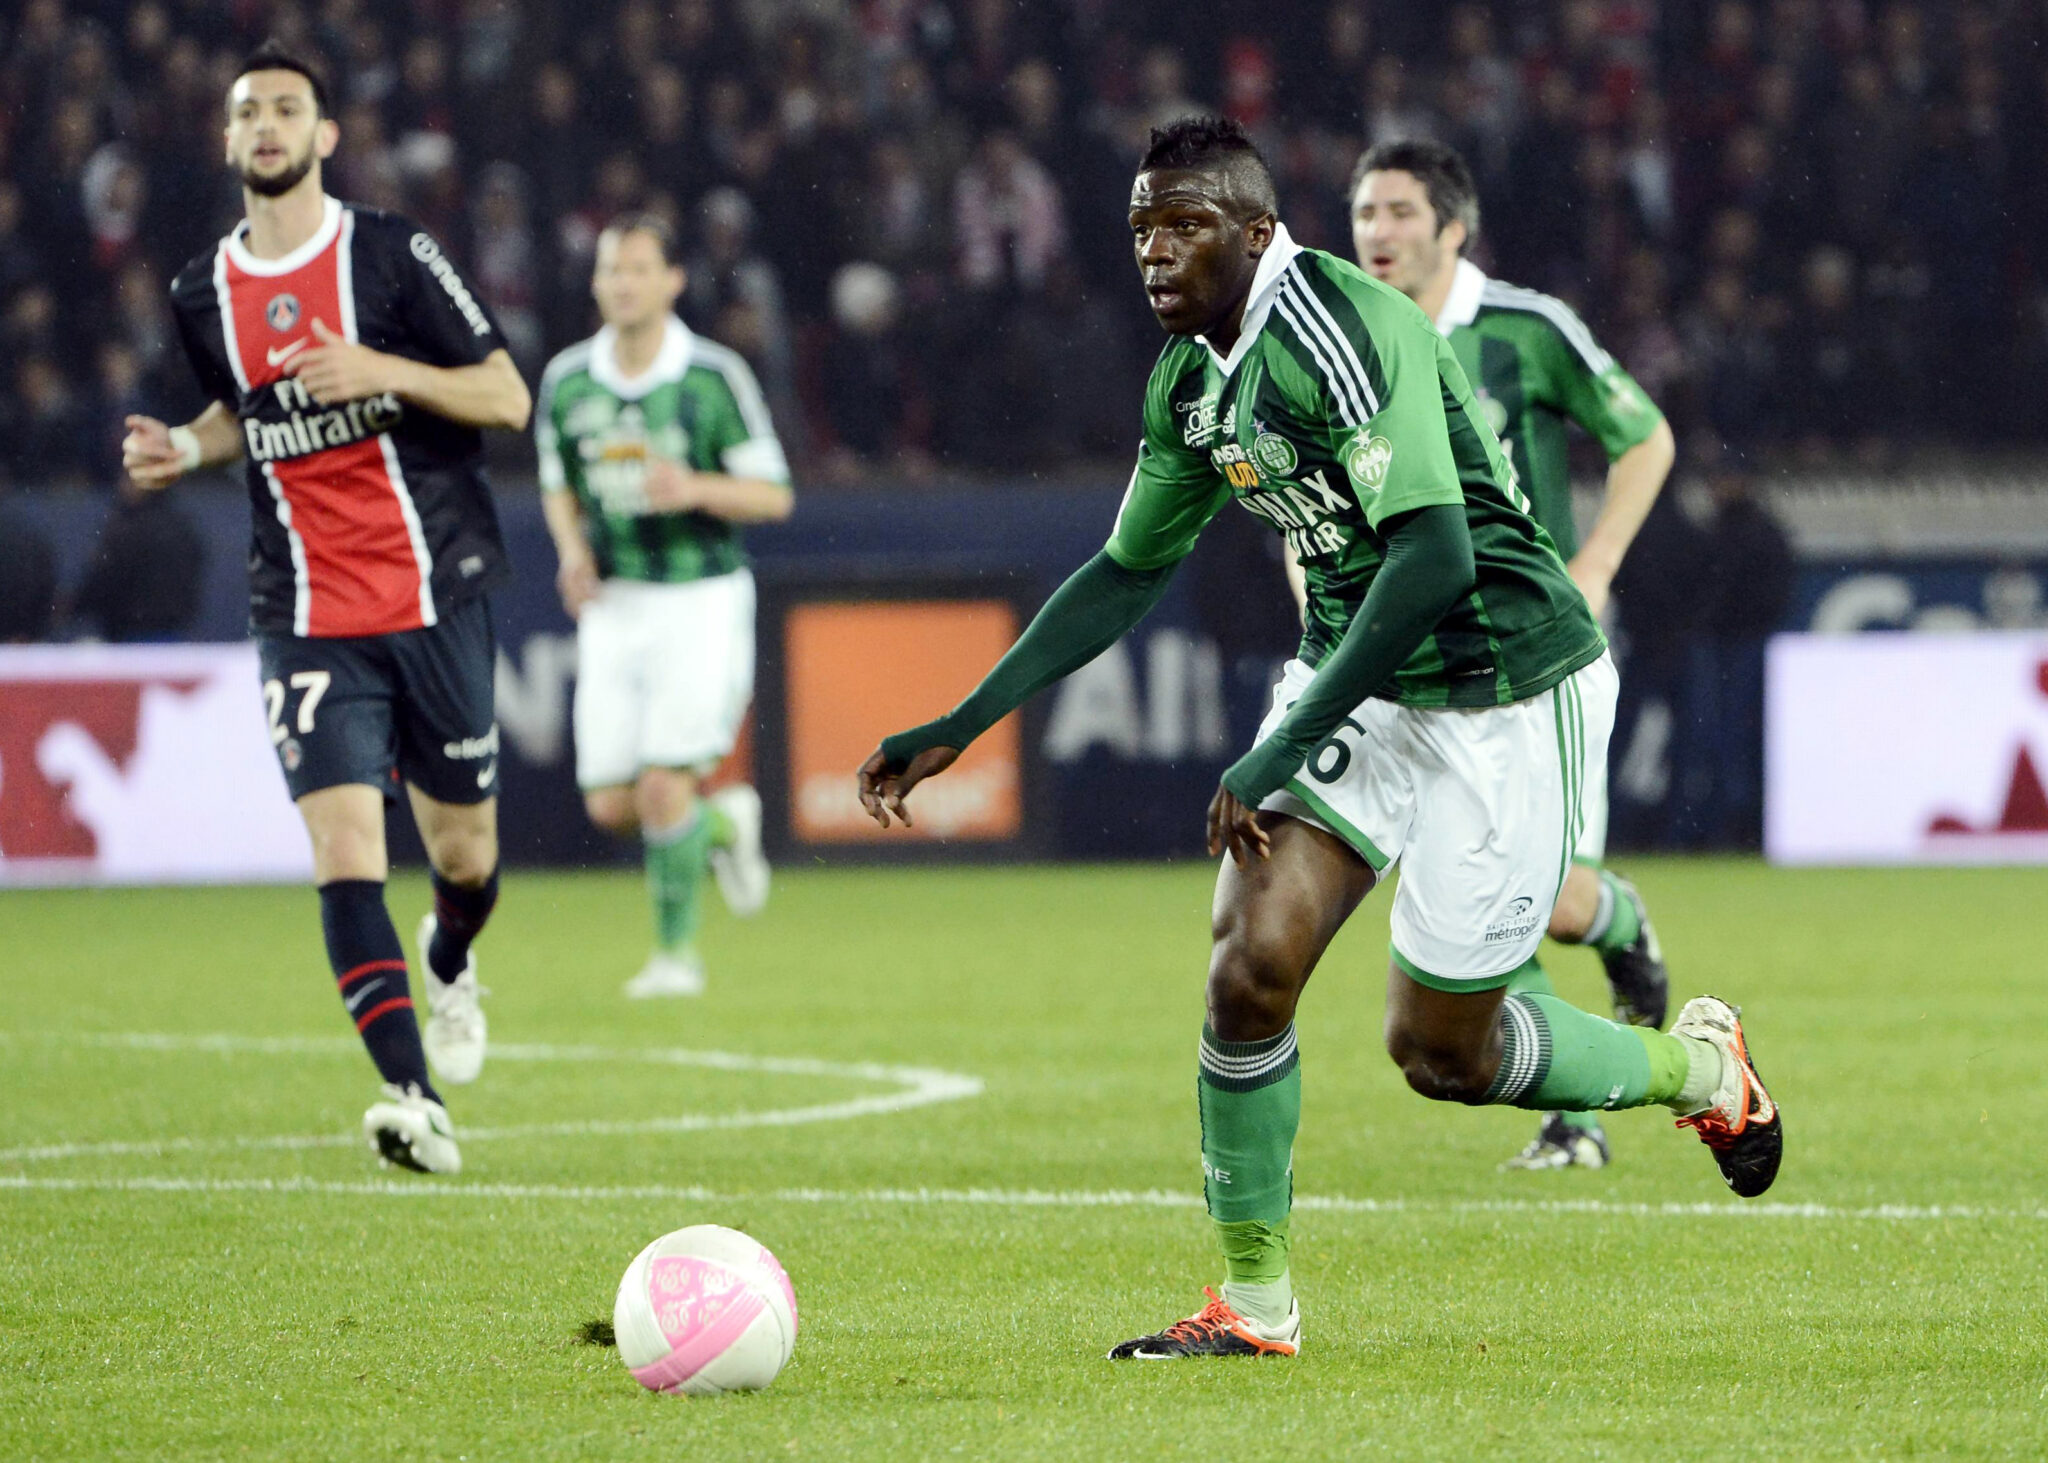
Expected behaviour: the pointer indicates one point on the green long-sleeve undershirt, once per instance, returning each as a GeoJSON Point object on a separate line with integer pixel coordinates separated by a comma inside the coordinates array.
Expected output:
{"type": "Point", "coordinates": [1093, 610]}
{"type": "Point", "coordinates": [1427, 568]}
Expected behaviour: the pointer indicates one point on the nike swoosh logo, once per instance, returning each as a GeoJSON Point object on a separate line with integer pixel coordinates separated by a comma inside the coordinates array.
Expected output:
{"type": "Point", "coordinates": [278, 357]}
{"type": "Point", "coordinates": [488, 776]}
{"type": "Point", "coordinates": [354, 1002]}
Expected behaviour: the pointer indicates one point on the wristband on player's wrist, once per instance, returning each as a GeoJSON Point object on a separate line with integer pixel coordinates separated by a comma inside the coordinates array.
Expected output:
{"type": "Point", "coordinates": [185, 442]}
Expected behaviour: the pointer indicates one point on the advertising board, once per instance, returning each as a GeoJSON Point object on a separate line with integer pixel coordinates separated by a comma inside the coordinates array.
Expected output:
{"type": "Point", "coordinates": [140, 764]}
{"type": "Point", "coordinates": [1907, 749]}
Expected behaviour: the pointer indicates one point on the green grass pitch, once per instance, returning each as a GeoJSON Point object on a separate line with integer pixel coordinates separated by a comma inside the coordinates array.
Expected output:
{"type": "Point", "coordinates": [197, 1259]}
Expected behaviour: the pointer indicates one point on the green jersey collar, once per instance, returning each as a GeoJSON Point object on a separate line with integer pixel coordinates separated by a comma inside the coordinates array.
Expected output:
{"type": "Point", "coordinates": [1461, 305]}
{"type": "Point", "coordinates": [1259, 303]}
{"type": "Point", "coordinates": [668, 365]}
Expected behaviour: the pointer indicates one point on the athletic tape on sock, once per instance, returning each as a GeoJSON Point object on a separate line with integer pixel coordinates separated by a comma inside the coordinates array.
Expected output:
{"type": "Point", "coordinates": [1524, 1050]}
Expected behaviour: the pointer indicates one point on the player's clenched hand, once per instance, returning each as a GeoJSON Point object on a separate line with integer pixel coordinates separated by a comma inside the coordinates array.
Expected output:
{"type": "Point", "coordinates": [577, 582]}
{"type": "Point", "coordinates": [147, 454]}
{"type": "Point", "coordinates": [672, 487]}
{"type": "Point", "coordinates": [882, 792]}
{"type": "Point", "coordinates": [337, 369]}
{"type": "Point", "coordinates": [1234, 826]}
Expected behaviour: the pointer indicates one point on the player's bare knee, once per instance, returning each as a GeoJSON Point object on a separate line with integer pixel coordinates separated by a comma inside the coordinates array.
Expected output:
{"type": "Point", "coordinates": [611, 808]}
{"type": "Point", "coordinates": [1441, 1071]}
{"type": "Point", "coordinates": [1577, 901]}
{"type": "Point", "coordinates": [343, 851]}
{"type": "Point", "coordinates": [664, 797]}
{"type": "Point", "coordinates": [465, 859]}
{"type": "Point", "coordinates": [1254, 981]}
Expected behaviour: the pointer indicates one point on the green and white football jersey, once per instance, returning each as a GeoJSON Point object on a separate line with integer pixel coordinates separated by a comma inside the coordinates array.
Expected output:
{"type": "Point", "coordinates": [596, 428]}
{"type": "Point", "coordinates": [1338, 407]}
{"type": "Point", "coordinates": [1534, 366]}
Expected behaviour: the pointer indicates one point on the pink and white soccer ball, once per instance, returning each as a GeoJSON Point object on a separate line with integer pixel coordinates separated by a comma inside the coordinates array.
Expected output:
{"type": "Point", "coordinates": [705, 1310]}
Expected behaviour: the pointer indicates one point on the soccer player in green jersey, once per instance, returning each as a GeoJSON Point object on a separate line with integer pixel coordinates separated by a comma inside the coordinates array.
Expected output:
{"type": "Point", "coordinates": [654, 447]}
{"type": "Point", "coordinates": [1451, 690]}
{"type": "Point", "coordinates": [1534, 367]}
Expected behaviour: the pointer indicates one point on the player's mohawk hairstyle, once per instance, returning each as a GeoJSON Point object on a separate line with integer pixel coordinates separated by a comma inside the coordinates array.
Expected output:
{"type": "Point", "coordinates": [1195, 142]}
{"type": "Point", "coordinates": [1218, 144]}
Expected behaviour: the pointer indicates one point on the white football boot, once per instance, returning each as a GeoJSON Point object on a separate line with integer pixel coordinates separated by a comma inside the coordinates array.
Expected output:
{"type": "Point", "coordinates": [741, 869]}
{"type": "Point", "coordinates": [668, 975]}
{"type": "Point", "coordinates": [412, 1131]}
{"type": "Point", "coordinates": [454, 1032]}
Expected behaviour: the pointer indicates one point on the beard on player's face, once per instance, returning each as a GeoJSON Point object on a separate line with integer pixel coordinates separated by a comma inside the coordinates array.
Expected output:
{"type": "Point", "coordinates": [281, 182]}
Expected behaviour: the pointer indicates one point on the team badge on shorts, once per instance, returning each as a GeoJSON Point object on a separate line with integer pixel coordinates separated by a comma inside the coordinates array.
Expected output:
{"type": "Point", "coordinates": [288, 752]}
{"type": "Point", "coordinates": [282, 312]}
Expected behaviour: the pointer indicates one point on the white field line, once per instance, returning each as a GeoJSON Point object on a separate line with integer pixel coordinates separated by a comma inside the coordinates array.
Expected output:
{"type": "Point", "coordinates": [917, 1087]}
{"type": "Point", "coordinates": [1014, 1199]}
{"type": "Point", "coordinates": [921, 1087]}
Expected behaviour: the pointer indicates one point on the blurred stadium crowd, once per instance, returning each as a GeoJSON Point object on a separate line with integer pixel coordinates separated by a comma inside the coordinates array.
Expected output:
{"type": "Point", "coordinates": [1811, 226]}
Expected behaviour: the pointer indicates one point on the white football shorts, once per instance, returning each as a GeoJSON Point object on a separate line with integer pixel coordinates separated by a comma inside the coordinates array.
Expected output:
{"type": "Point", "coordinates": [1592, 847]}
{"type": "Point", "coordinates": [664, 673]}
{"type": "Point", "coordinates": [1483, 809]}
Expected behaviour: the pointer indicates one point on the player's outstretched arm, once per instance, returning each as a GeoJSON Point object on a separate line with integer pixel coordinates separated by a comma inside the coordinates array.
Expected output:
{"type": "Point", "coordinates": [1633, 481]}
{"type": "Point", "coordinates": [156, 455]}
{"type": "Point", "coordinates": [490, 393]}
{"type": "Point", "coordinates": [1094, 609]}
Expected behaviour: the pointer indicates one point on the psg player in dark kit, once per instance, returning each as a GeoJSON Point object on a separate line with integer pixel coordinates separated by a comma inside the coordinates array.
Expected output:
{"type": "Point", "coordinates": [352, 369]}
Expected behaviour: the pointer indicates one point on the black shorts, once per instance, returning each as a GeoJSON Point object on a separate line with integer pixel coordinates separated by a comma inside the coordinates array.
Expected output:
{"type": "Point", "coordinates": [416, 706]}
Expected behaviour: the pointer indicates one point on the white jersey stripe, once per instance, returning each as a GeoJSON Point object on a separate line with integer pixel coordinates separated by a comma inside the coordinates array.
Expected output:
{"type": "Point", "coordinates": [422, 556]}
{"type": "Point", "coordinates": [1557, 312]}
{"type": "Point", "coordinates": [302, 581]}
{"type": "Point", "coordinates": [1344, 346]}
{"type": "Point", "coordinates": [745, 390]}
{"type": "Point", "coordinates": [224, 298]}
{"type": "Point", "coordinates": [1306, 311]}
{"type": "Point", "coordinates": [1350, 407]}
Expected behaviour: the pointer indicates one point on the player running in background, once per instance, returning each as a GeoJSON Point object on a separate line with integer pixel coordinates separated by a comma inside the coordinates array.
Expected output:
{"type": "Point", "coordinates": [351, 367]}
{"type": "Point", "coordinates": [655, 447]}
{"type": "Point", "coordinates": [1533, 367]}
{"type": "Point", "coordinates": [1452, 689]}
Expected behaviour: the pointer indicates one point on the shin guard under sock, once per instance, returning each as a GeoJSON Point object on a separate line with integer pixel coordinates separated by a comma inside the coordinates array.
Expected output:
{"type": "Point", "coordinates": [369, 966]}
{"type": "Point", "coordinates": [1533, 980]}
{"type": "Point", "coordinates": [1556, 1057]}
{"type": "Point", "coordinates": [677, 859]}
{"type": "Point", "coordinates": [1249, 1094]}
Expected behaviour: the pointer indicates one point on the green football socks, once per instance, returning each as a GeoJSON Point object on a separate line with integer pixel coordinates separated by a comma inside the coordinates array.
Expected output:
{"type": "Point", "coordinates": [676, 861]}
{"type": "Point", "coordinates": [1555, 1057]}
{"type": "Point", "coordinates": [1250, 1099]}
{"type": "Point", "coordinates": [1533, 980]}
{"type": "Point", "coordinates": [1616, 921]}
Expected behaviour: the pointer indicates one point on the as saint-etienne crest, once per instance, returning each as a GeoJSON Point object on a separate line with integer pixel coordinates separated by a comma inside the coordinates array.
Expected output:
{"type": "Point", "coordinates": [1368, 459]}
{"type": "Point", "coordinates": [1274, 453]}
{"type": "Point", "coordinates": [282, 312]}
